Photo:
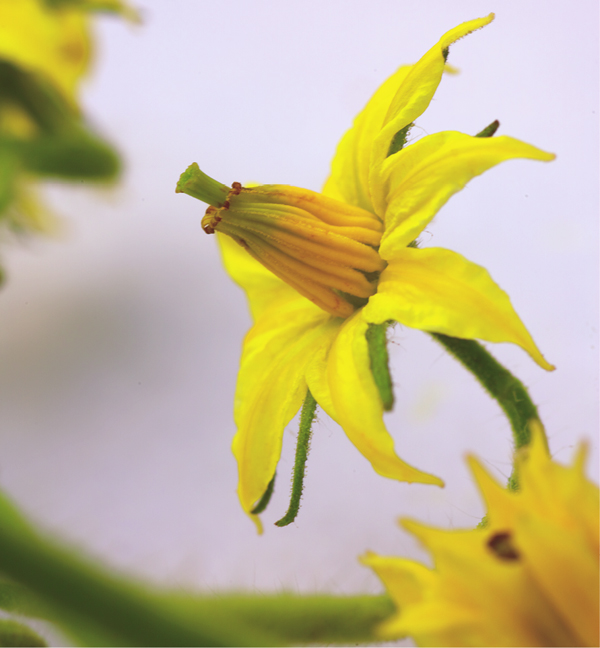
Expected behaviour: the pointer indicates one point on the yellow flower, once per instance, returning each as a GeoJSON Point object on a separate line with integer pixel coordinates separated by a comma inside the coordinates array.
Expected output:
{"type": "Point", "coordinates": [528, 578]}
{"type": "Point", "coordinates": [51, 38]}
{"type": "Point", "coordinates": [45, 51]}
{"type": "Point", "coordinates": [348, 251]}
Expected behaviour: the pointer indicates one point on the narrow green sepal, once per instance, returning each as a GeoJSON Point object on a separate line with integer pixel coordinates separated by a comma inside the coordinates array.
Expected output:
{"type": "Point", "coordinates": [376, 337]}
{"type": "Point", "coordinates": [307, 417]}
{"type": "Point", "coordinates": [265, 499]}
{"type": "Point", "coordinates": [488, 131]}
{"type": "Point", "coordinates": [197, 184]}
{"type": "Point", "coordinates": [399, 140]}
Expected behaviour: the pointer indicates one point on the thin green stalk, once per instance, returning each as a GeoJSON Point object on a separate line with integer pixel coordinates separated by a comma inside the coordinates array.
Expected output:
{"type": "Point", "coordinates": [376, 336]}
{"type": "Point", "coordinates": [508, 391]}
{"type": "Point", "coordinates": [302, 447]}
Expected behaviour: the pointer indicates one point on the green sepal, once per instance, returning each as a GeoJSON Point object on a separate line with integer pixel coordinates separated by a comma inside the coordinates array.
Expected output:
{"type": "Point", "coordinates": [307, 417]}
{"type": "Point", "coordinates": [263, 502]}
{"type": "Point", "coordinates": [376, 337]}
{"type": "Point", "coordinates": [488, 131]}
{"type": "Point", "coordinates": [399, 140]}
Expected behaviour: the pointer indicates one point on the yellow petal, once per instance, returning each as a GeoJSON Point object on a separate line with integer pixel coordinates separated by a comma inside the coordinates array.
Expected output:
{"type": "Point", "coordinates": [349, 180]}
{"type": "Point", "coordinates": [54, 42]}
{"type": "Point", "coordinates": [404, 579]}
{"type": "Point", "coordinates": [567, 571]}
{"type": "Point", "coordinates": [439, 290]}
{"type": "Point", "coordinates": [415, 93]}
{"type": "Point", "coordinates": [271, 387]}
{"type": "Point", "coordinates": [417, 181]}
{"type": "Point", "coordinates": [358, 405]}
{"type": "Point", "coordinates": [262, 287]}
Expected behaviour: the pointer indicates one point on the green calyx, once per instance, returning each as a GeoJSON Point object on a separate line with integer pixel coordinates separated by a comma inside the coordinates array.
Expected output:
{"type": "Point", "coordinates": [488, 131]}
{"type": "Point", "coordinates": [197, 184]}
{"type": "Point", "coordinates": [376, 337]}
{"type": "Point", "coordinates": [307, 417]}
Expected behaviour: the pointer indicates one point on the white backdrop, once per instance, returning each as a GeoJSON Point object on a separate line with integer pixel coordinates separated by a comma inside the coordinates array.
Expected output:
{"type": "Point", "coordinates": [120, 338]}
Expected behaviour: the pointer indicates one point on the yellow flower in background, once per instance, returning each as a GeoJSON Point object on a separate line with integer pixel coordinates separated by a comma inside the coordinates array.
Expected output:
{"type": "Point", "coordinates": [45, 51]}
{"type": "Point", "coordinates": [528, 578]}
{"type": "Point", "coordinates": [53, 42]}
{"type": "Point", "coordinates": [318, 269]}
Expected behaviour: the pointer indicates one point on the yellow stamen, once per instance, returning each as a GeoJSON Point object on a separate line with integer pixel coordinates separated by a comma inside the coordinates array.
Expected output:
{"type": "Point", "coordinates": [323, 248]}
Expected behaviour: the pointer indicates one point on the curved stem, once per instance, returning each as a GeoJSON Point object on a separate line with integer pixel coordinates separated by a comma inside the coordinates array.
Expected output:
{"type": "Point", "coordinates": [508, 391]}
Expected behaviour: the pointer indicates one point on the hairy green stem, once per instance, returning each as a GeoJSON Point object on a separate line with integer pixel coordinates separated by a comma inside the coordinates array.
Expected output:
{"type": "Point", "coordinates": [508, 391]}
{"type": "Point", "coordinates": [376, 336]}
{"type": "Point", "coordinates": [302, 447]}
{"type": "Point", "coordinates": [100, 608]}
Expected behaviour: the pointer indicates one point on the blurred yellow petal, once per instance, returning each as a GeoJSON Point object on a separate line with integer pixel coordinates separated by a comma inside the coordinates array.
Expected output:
{"type": "Point", "coordinates": [571, 585]}
{"type": "Point", "coordinates": [358, 405]}
{"type": "Point", "coordinates": [439, 290]}
{"type": "Point", "coordinates": [271, 387]}
{"type": "Point", "coordinates": [417, 181]}
{"type": "Point", "coordinates": [529, 578]}
{"type": "Point", "coordinates": [52, 41]}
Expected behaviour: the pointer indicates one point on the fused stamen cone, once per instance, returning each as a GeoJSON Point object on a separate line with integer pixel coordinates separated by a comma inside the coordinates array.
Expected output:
{"type": "Point", "coordinates": [323, 248]}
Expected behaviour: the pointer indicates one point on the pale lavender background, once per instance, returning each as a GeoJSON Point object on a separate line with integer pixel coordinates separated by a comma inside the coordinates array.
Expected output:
{"type": "Point", "coordinates": [120, 339]}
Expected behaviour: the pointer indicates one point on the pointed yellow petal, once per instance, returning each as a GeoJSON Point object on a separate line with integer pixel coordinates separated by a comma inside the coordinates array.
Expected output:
{"type": "Point", "coordinates": [500, 507]}
{"type": "Point", "coordinates": [416, 182]}
{"type": "Point", "coordinates": [439, 290]}
{"type": "Point", "coordinates": [271, 387]}
{"type": "Point", "coordinates": [417, 89]}
{"type": "Point", "coordinates": [405, 580]}
{"type": "Point", "coordinates": [358, 405]}
{"type": "Point", "coordinates": [262, 287]}
{"type": "Point", "coordinates": [349, 180]}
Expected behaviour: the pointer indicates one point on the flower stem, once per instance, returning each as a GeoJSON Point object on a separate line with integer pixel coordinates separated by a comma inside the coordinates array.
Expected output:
{"type": "Point", "coordinates": [302, 447]}
{"type": "Point", "coordinates": [378, 355]}
{"type": "Point", "coordinates": [508, 391]}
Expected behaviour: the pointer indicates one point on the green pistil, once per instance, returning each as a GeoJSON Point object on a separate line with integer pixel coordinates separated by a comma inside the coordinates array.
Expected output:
{"type": "Point", "coordinates": [501, 385]}
{"type": "Point", "coordinates": [198, 185]}
{"type": "Point", "coordinates": [266, 498]}
{"type": "Point", "coordinates": [376, 337]}
{"type": "Point", "coordinates": [302, 447]}
{"type": "Point", "coordinates": [488, 131]}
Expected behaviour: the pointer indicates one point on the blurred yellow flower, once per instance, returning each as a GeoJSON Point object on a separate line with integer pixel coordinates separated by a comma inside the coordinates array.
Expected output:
{"type": "Point", "coordinates": [54, 42]}
{"type": "Point", "coordinates": [45, 51]}
{"type": "Point", "coordinates": [528, 578]}
{"type": "Point", "coordinates": [348, 251]}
